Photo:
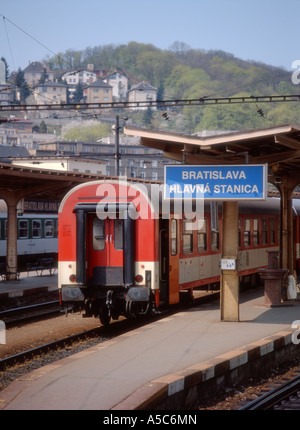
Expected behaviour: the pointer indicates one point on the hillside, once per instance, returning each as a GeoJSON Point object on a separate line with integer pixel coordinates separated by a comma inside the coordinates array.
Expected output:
{"type": "Point", "coordinates": [181, 73]}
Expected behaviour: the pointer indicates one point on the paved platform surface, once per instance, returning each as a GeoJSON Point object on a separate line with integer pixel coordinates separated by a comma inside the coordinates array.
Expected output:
{"type": "Point", "coordinates": [28, 284]}
{"type": "Point", "coordinates": [112, 374]}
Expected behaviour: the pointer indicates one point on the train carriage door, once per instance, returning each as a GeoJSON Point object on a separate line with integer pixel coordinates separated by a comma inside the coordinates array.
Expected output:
{"type": "Point", "coordinates": [104, 251]}
{"type": "Point", "coordinates": [174, 262]}
{"type": "Point", "coordinates": [163, 262]}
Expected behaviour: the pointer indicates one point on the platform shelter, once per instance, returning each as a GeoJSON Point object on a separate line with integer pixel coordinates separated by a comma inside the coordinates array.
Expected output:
{"type": "Point", "coordinates": [278, 147]}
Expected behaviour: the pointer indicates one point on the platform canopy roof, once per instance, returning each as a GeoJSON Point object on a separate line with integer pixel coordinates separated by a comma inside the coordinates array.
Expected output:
{"type": "Point", "coordinates": [38, 183]}
{"type": "Point", "coordinates": [278, 146]}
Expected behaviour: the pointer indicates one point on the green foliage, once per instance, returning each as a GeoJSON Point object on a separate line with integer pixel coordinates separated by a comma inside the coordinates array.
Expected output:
{"type": "Point", "coordinates": [182, 73]}
{"type": "Point", "coordinates": [21, 85]}
{"type": "Point", "coordinates": [88, 131]}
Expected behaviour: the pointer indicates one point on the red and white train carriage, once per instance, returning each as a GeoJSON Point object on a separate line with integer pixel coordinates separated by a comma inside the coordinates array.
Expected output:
{"type": "Point", "coordinates": [121, 255]}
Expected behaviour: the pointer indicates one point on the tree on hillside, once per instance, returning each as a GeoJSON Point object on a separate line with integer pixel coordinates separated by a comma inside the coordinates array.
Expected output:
{"type": "Point", "coordinates": [6, 68]}
{"type": "Point", "coordinates": [78, 94]}
{"type": "Point", "coordinates": [22, 86]}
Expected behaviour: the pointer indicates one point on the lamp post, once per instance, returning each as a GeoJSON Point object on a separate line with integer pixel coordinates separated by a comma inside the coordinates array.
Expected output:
{"type": "Point", "coordinates": [117, 141]}
{"type": "Point", "coordinates": [117, 153]}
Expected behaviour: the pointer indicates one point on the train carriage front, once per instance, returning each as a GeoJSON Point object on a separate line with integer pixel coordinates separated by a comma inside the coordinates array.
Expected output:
{"type": "Point", "coordinates": [107, 252]}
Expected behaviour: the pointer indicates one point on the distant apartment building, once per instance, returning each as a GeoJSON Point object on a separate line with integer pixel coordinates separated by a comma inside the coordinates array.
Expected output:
{"type": "Point", "coordinates": [17, 133]}
{"type": "Point", "coordinates": [50, 93]}
{"type": "Point", "coordinates": [135, 161]}
{"type": "Point", "coordinates": [119, 82]}
{"type": "Point", "coordinates": [7, 94]}
{"type": "Point", "coordinates": [35, 72]}
{"type": "Point", "coordinates": [142, 92]}
{"type": "Point", "coordinates": [99, 92]}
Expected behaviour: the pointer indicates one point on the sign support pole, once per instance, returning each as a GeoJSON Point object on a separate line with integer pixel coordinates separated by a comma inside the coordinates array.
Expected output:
{"type": "Point", "coordinates": [230, 277]}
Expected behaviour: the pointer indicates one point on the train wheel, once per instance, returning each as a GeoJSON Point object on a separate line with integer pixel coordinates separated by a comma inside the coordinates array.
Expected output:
{"type": "Point", "coordinates": [104, 316]}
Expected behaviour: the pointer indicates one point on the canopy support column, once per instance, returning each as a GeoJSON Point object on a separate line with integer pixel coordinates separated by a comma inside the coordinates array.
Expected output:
{"type": "Point", "coordinates": [12, 236]}
{"type": "Point", "coordinates": [230, 276]}
{"type": "Point", "coordinates": [286, 225]}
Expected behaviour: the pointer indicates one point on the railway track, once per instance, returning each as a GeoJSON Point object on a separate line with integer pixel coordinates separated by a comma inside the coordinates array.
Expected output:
{"type": "Point", "coordinates": [285, 396]}
{"type": "Point", "coordinates": [30, 312]}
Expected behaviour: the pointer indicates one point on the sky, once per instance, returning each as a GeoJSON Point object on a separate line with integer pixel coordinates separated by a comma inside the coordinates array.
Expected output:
{"type": "Point", "coordinates": [260, 30]}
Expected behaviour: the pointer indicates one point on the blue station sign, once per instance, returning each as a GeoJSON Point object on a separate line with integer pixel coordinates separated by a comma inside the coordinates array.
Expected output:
{"type": "Point", "coordinates": [225, 182]}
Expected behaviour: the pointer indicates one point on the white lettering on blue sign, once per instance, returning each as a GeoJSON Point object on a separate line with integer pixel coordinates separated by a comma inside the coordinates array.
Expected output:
{"type": "Point", "coordinates": [216, 182]}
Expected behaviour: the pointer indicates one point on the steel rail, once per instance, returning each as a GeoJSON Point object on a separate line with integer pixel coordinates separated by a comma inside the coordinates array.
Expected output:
{"type": "Point", "coordinates": [29, 313]}
{"type": "Point", "coordinates": [273, 397]}
{"type": "Point", "coordinates": [21, 309]}
{"type": "Point", "coordinates": [42, 349]}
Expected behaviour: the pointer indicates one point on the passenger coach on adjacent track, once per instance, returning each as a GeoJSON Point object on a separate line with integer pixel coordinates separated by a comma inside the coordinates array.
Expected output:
{"type": "Point", "coordinates": [36, 237]}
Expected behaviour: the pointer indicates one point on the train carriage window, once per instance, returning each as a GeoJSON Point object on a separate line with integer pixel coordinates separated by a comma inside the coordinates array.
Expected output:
{"type": "Point", "coordinates": [23, 229]}
{"type": "Point", "coordinates": [264, 235]}
{"type": "Point", "coordinates": [214, 240]}
{"type": "Point", "coordinates": [202, 234]}
{"type": "Point", "coordinates": [247, 231]}
{"type": "Point", "coordinates": [118, 234]}
{"type": "Point", "coordinates": [49, 228]}
{"type": "Point", "coordinates": [272, 231]}
{"type": "Point", "coordinates": [255, 231]}
{"type": "Point", "coordinates": [36, 228]}
{"type": "Point", "coordinates": [98, 234]}
{"type": "Point", "coordinates": [187, 236]}
{"type": "Point", "coordinates": [173, 237]}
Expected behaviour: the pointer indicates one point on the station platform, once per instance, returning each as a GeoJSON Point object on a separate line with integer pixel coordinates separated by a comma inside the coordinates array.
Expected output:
{"type": "Point", "coordinates": [27, 284]}
{"type": "Point", "coordinates": [164, 362]}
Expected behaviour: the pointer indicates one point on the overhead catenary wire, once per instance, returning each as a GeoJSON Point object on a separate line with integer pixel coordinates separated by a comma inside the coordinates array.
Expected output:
{"type": "Point", "coordinates": [8, 41]}
{"type": "Point", "coordinates": [202, 101]}
{"type": "Point", "coordinates": [36, 40]}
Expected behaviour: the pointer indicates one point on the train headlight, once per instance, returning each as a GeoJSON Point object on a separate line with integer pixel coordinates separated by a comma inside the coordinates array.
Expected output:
{"type": "Point", "coordinates": [139, 278]}
{"type": "Point", "coordinates": [72, 278]}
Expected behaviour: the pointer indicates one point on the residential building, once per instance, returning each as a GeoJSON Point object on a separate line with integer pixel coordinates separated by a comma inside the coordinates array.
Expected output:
{"type": "Point", "coordinates": [99, 92]}
{"type": "Point", "coordinates": [50, 93]}
{"type": "Point", "coordinates": [36, 71]}
{"type": "Point", "coordinates": [142, 92]}
{"type": "Point", "coordinates": [73, 77]}
{"type": "Point", "coordinates": [17, 132]}
{"type": "Point", "coordinates": [119, 82]}
{"type": "Point", "coordinates": [135, 161]}
{"type": "Point", "coordinates": [7, 94]}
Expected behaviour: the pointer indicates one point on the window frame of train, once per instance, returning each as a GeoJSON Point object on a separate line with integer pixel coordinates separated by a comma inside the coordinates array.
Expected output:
{"type": "Point", "coordinates": [264, 231]}
{"type": "Point", "coordinates": [173, 236]}
{"type": "Point", "coordinates": [23, 229]}
{"type": "Point", "coordinates": [202, 235]}
{"type": "Point", "coordinates": [52, 235]}
{"type": "Point", "coordinates": [36, 230]}
{"type": "Point", "coordinates": [41, 227]}
{"type": "Point", "coordinates": [187, 233]}
{"type": "Point", "coordinates": [246, 232]}
{"type": "Point", "coordinates": [256, 232]}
